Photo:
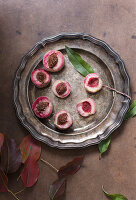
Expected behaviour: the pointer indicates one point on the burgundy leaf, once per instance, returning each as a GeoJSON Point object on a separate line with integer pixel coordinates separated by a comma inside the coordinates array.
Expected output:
{"type": "Point", "coordinates": [1, 140]}
{"type": "Point", "coordinates": [30, 147]}
{"type": "Point", "coordinates": [10, 156]}
{"type": "Point", "coordinates": [57, 189]}
{"type": "Point", "coordinates": [71, 168]}
{"type": "Point", "coordinates": [30, 173]}
{"type": "Point", "coordinates": [3, 182]}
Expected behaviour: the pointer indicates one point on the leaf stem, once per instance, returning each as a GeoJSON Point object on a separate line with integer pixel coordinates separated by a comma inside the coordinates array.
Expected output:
{"type": "Point", "coordinates": [46, 162]}
{"type": "Point", "coordinates": [100, 156]}
{"type": "Point", "coordinates": [9, 190]}
{"type": "Point", "coordinates": [13, 194]}
{"type": "Point", "coordinates": [113, 89]}
{"type": "Point", "coordinates": [18, 177]}
{"type": "Point", "coordinates": [20, 191]}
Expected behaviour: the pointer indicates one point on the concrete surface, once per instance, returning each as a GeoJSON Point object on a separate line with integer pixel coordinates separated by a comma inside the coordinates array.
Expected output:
{"type": "Point", "coordinates": [25, 22]}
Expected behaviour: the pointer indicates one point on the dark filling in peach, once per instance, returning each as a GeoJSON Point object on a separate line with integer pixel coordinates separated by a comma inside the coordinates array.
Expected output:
{"type": "Point", "coordinates": [61, 88]}
{"type": "Point", "coordinates": [86, 106]}
{"type": "Point", "coordinates": [93, 82]}
{"type": "Point", "coordinates": [52, 60]}
{"type": "Point", "coordinates": [42, 106]}
{"type": "Point", "coordinates": [62, 119]}
{"type": "Point", "coordinates": [40, 77]}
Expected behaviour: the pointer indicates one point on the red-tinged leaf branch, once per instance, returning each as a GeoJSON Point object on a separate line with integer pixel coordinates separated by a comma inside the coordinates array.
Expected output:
{"type": "Point", "coordinates": [57, 189]}
{"type": "Point", "coordinates": [69, 169]}
{"type": "Point", "coordinates": [11, 160]}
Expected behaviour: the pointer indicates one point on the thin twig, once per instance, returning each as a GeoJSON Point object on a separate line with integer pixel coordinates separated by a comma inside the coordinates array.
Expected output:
{"type": "Point", "coordinates": [18, 177]}
{"type": "Point", "coordinates": [20, 191]}
{"type": "Point", "coordinates": [8, 189]}
{"type": "Point", "coordinates": [13, 194]}
{"type": "Point", "coordinates": [49, 165]}
{"type": "Point", "coordinates": [110, 88]}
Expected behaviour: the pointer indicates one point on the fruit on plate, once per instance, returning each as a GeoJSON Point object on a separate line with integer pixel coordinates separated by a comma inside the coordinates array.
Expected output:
{"type": "Point", "coordinates": [53, 61]}
{"type": "Point", "coordinates": [86, 107]}
{"type": "Point", "coordinates": [40, 78]}
{"type": "Point", "coordinates": [61, 88]}
{"type": "Point", "coordinates": [63, 120]}
{"type": "Point", "coordinates": [42, 107]}
{"type": "Point", "coordinates": [93, 83]}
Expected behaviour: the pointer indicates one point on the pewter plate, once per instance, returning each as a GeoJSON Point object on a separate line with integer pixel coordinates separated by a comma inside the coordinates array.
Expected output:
{"type": "Point", "coordinates": [111, 107]}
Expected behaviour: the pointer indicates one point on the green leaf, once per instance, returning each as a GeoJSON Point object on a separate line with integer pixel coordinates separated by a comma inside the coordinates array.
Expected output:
{"type": "Point", "coordinates": [80, 65]}
{"type": "Point", "coordinates": [114, 196]}
{"type": "Point", "coordinates": [131, 111]}
{"type": "Point", "coordinates": [103, 146]}
{"type": "Point", "coordinates": [132, 105]}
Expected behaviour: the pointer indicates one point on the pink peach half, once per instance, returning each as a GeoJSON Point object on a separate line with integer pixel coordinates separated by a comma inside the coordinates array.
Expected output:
{"type": "Point", "coordinates": [86, 107]}
{"type": "Point", "coordinates": [42, 107]}
{"type": "Point", "coordinates": [40, 78]}
{"type": "Point", "coordinates": [53, 61]}
{"type": "Point", "coordinates": [61, 88]}
{"type": "Point", "coordinates": [93, 83]}
{"type": "Point", "coordinates": [63, 120]}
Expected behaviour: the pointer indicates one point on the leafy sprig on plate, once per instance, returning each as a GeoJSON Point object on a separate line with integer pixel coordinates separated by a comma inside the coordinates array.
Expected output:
{"type": "Point", "coordinates": [84, 69]}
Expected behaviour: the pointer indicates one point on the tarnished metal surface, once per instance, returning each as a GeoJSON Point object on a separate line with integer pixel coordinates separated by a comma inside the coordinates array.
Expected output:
{"type": "Point", "coordinates": [110, 109]}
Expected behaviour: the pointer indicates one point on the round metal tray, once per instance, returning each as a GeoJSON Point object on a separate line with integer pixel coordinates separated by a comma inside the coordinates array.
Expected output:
{"type": "Point", "coordinates": [111, 107]}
